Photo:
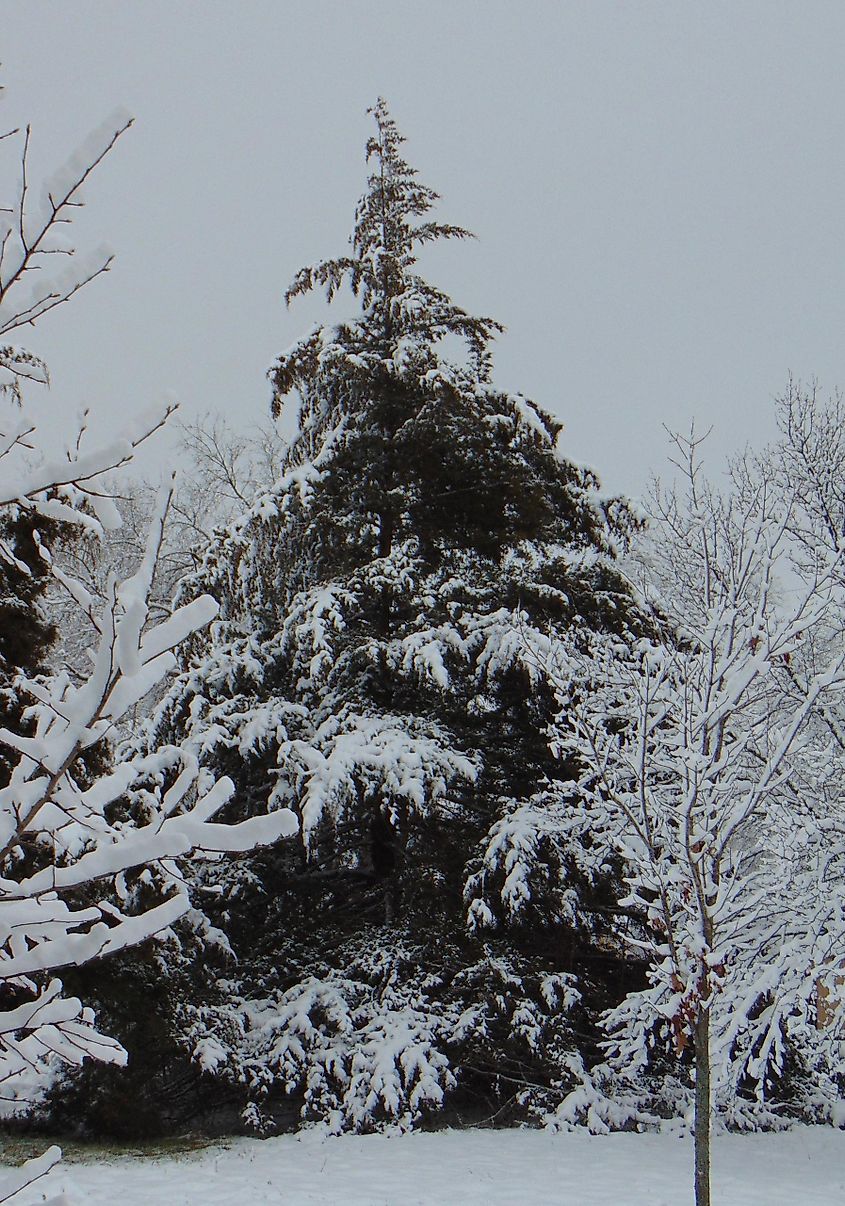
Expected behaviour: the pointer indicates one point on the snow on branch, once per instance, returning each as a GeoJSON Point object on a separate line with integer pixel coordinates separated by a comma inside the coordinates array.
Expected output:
{"type": "Point", "coordinates": [63, 829]}
{"type": "Point", "coordinates": [79, 828]}
{"type": "Point", "coordinates": [33, 239]}
{"type": "Point", "coordinates": [699, 750]}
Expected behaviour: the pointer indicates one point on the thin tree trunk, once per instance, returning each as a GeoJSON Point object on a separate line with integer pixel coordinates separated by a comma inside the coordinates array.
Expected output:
{"type": "Point", "coordinates": [701, 1124]}
{"type": "Point", "coordinates": [389, 902]}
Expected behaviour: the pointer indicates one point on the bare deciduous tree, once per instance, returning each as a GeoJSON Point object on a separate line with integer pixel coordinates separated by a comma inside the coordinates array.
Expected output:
{"type": "Point", "coordinates": [687, 745]}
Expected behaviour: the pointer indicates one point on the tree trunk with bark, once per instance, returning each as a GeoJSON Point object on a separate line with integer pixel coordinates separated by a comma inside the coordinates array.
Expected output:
{"type": "Point", "coordinates": [701, 1124]}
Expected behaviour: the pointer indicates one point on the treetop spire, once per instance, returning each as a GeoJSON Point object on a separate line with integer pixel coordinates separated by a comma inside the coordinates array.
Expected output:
{"type": "Point", "coordinates": [401, 310]}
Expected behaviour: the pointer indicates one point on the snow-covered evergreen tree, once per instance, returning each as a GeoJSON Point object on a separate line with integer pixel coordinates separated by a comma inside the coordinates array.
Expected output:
{"type": "Point", "coordinates": [370, 670]}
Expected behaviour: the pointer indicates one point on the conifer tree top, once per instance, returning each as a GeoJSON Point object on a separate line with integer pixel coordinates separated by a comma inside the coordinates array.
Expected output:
{"type": "Point", "coordinates": [401, 311]}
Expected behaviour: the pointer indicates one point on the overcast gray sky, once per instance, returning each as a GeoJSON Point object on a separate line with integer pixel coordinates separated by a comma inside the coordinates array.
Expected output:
{"type": "Point", "coordinates": [658, 191]}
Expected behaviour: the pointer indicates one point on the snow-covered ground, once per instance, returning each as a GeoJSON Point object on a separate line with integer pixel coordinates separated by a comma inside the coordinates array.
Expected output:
{"type": "Point", "coordinates": [805, 1167]}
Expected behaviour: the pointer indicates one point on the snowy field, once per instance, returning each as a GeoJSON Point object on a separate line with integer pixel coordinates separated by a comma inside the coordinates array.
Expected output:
{"type": "Point", "coordinates": [805, 1167]}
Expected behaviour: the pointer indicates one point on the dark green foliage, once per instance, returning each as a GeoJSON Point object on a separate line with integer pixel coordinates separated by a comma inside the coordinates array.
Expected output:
{"type": "Point", "coordinates": [26, 635]}
{"type": "Point", "coordinates": [160, 1092]}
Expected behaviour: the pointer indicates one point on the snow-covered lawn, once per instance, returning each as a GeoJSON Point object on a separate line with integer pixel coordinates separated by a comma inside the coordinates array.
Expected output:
{"type": "Point", "coordinates": [805, 1167]}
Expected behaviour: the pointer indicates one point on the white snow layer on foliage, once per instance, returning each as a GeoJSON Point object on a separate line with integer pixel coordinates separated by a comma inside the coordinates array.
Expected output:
{"type": "Point", "coordinates": [533, 840]}
{"type": "Point", "coordinates": [358, 1063]}
{"type": "Point", "coordinates": [325, 759]}
{"type": "Point", "coordinates": [408, 762]}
